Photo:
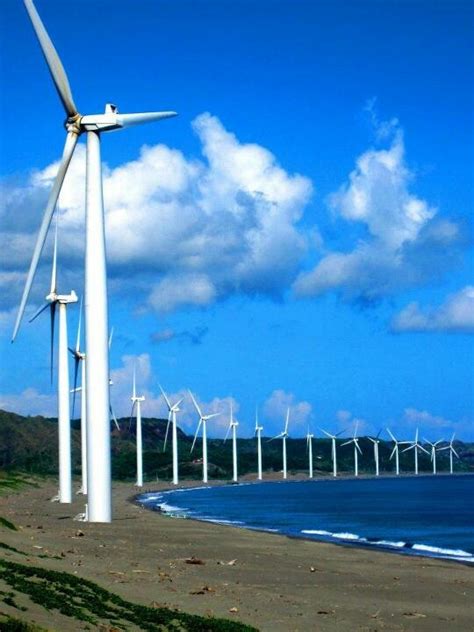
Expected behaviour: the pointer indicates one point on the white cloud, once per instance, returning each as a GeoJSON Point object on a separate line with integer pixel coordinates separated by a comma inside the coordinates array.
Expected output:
{"type": "Point", "coordinates": [30, 402]}
{"type": "Point", "coordinates": [276, 406]}
{"type": "Point", "coordinates": [456, 314]}
{"type": "Point", "coordinates": [403, 242]}
{"type": "Point", "coordinates": [180, 231]}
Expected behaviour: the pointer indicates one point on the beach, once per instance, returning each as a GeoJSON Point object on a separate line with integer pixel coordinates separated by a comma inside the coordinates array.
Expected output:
{"type": "Point", "coordinates": [266, 580]}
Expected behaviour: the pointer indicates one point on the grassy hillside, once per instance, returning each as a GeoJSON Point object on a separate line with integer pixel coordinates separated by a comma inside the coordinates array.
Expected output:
{"type": "Point", "coordinates": [30, 444]}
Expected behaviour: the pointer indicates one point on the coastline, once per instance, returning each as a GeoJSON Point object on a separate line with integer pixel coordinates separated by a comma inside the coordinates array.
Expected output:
{"type": "Point", "coordinates": [276, 583]}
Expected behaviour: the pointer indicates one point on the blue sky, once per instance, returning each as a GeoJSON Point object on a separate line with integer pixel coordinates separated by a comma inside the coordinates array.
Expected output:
{"type": "Point", "coordinates": [301, 234]}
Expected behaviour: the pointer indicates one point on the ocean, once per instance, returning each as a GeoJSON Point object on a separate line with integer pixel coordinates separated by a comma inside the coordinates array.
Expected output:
{"type": "Point", "coordinates": [422, 515]}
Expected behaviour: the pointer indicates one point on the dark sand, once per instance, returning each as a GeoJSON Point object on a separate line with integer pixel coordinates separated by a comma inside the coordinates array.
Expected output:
{"type": "Point", "coordinates": [275, 583]}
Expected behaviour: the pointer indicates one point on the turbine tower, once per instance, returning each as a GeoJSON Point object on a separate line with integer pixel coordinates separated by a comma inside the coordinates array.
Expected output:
{"type": "Point", "coordinates": [96, 308]}
{"type": "Point", "coordinates": [333, 438]}
{"type": "Point", "coordinates": [355, 441]}
{"type": "Point", "coordinates": [80, 359]}
{"type": "Point", "coordinates": [434, 447]}
{"type": "Point", "coordinates": [452, 452]}
{"type": "Point", "coordinates": [258, 434]}
{"type": "Point", "coordinates": [283, 436]}
{"type": "Point", "coordinates": [136, 406]}
{"type": "Point", "coordinates": [415, 445]}
{"type": "Point", "coordinates": [202, 422]}
{"type": "Point", "coordinates": [64, 418]}
{"type": "Point", "coordinates": [173, 409]}
{"type": "Point", "coordinates": [309, 449]}
{"type": "Point", "coordinates": [376, 443]}
{"type": "Point", "coordinates": [395, 451]}
{"type": "Point", "coordinates": [233, 426]}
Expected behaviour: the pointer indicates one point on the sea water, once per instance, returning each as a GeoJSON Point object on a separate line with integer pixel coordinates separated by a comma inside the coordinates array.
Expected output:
{"type": "Point", "coordinates": [416, 515]}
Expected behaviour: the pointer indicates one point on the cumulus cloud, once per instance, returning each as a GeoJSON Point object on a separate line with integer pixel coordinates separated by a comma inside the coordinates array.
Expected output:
{"type": "Point", "coordinates": [403, 243]}
{"type": "Point", "coordinates": [180, 231]}
{"type": "Point", "coordinates": [456, 314]}
{"type": "Point", "coordinates": [30, 401]}
{"type": "Point", "coordinates": [276, 406]}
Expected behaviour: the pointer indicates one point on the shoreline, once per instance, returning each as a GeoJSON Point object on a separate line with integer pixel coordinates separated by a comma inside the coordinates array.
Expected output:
{"type": "Point", "coordinates": [267, 580]}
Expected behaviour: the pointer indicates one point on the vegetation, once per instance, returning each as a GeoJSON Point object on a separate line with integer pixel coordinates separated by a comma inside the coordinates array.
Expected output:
{"type": "Point", "coordinates": [85, 601]}
{"type": "Point", "coordinates": [11, 624]}
{"type": "Point", "coordinates": [30, 444]}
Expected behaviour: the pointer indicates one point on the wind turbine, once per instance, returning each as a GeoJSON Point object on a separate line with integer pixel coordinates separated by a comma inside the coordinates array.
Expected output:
{"type": "Point", "coordinates": [233, 426]}
{"type": "Point", "coordinates": [202, 422]}
{"type": "Point", "coordinates": [433, 451]}
{"type": "Point", "coordinates": [309, 448]}
{"type": "Point", "coordinates": [64, 418]}
{"type": "Point", "coordinates": [283, 436]}
{"type": "Point", "coordinates": [96, 308]}
{"type": "Point", "coordinates": [415, 445]}
{"type": "Point", "coordinates": [376, 451]}
{"type": "Point", "coordinates": [80, 359]}
{"type": "Point", "coordinates": [333, 438]}
{"type": "Point", "coordinates": [395, 451]}
{"type": "Point", "coordinates": [258, 434]}
{"type": "Point", "coordinates": [136, 405]}
{"type": "Point", "coordinates": [355, 441]}
{"type": "Point", "coordinates": [451, 452]}
{"type": "Point", "coordinates": [173, 409]}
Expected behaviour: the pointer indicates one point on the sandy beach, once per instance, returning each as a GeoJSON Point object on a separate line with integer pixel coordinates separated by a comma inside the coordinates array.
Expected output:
{"type": "Point", "coordinates": [269, 581]}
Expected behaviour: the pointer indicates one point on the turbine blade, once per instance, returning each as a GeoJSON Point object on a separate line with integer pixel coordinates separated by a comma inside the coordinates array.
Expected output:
{"type": "Point", "coordinates": [357, 446]}
{"type": "Point", "coordinates": [76, 372]}
{"type": "Point", "coordinates": [393, 452]}
{"type": "Point", "coordinates": [78, 338]}
{"type": "Point", "coordinates": [196, 434]}
{"type": "Point", "coordinates": [51, 348]}
{"type": "Point", "coordinates": [166, 399]}
{"type": "Point", "coordinates": [326, 433]}
{"type": "Point", "coordinates": [131, 416]}
{"type": "Point", "coordinates": [409, 448]}
{"type": "Point", "coordinates": [71, 141]}
{"type": "Point", "coordinates": [55, 257]}
{"type": "Point", "coordinates": [287, 420]}
{"type": "Point", "coordinates": [454, 451]}
{"type": "Point", "coordinates": [111, 337]}
{"type": "Point", "coordinates": [128, 120]}
{"type": "Point", "coordinates": [227, 433]}
{"type": "Point", "coordinates": [52, 59]}
{"type": "Point", "coordinates": [206, 417]}
{"type": "Point", "coordinates": [347, 442]}
{"type": "Point", "coordinates": [167, 429]}
{"type": "Point", "coordinates": [114, 417]}
{"type": "Point", "coordinates": [390, 433]}
{"type": "Point", "coordinates": [196, 405]}
{"type": "Point", "coordinates": [422, 448]}
{"type": "Point", "coordinates": [40, 311]}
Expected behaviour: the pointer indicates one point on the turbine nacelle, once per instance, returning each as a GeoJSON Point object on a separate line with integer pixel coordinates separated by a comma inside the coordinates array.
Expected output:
{"type": "Point", "coordinates": [65, 299]}
{"type": "Point", "coordinates": [111, 119]}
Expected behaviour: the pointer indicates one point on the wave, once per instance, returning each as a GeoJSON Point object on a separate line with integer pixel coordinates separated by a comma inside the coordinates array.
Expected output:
{"type": "Point", "coordinates": [440, 551]}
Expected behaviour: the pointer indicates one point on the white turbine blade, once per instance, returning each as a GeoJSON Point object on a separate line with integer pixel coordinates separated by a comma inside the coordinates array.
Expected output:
{"type": "Point", "coordinates": [340, 432]}
{"type": "Point", "coordinates": [287, 420]}
{"type": "Point", "coordinates": [196, 405]}
{"type": "Point", "coordinates": [114, 417]}
{"type": "Point", "coordinates": [166, 399]}
{"type": "Point", "coordinates": [53, 285]}
{"type": "Point", "coordinates": [327, 433]}
{"type": "Point", "coordinates": [373, 440]}
{"type": "Point", "coordinates": [78, 338]}
{"type": "Point", "coordinates": [452, 438]}
{"type": "Point", "coordinates": [227, 433]}
{"type": "Point", "coordinates": [131, 416]}
{"type": "Point", "coordinates": [347, 442]}
{"type": "Point", "coordinates": [206, 417]}
{"type": "Point", "coordinates": [391, 434]}
{"type": "Point", "coordinates": [52, 59]}
{"type": "Point", "coordinates": [195, 436]}
{"type": "Point", "coordinates": [71, 140]}
{"type": "Point", "coordinates": [409, 448]}
{"type": "Point", "coordinates": [454, 452]}
{"type": "Point", "coordinates": [423, 449]}
{"type": "Point", "coordinates": [175, 406]}
{"type": "Point", "coordinates": [167, 429]}
{"type": "Point", "coordinates": [416, 436]}
{"type": "Point", "coordinates": [127, 120]}
{"type": "Point", "coordinates": [111, 337]}
{"type": "Point", "coordinates": [278, 436]}
{"type": "Point", "coordinates": [40, 311]}
{"type": "Point", "coordinates": [355, 429]}
{"type": "Point", "coordinates": [393, 452]}
{"type": "Point", "coordinates": [357, 446]}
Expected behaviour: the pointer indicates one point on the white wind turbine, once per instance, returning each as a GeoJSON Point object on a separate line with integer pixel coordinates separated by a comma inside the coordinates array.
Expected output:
{"type": "Point", "coordinates": [355, 441]}
{"type": "Point", "coordinates": [79, 359]}
{"type": "Point", "coordinates": [96, 308]}
{"type": "Point", "coordinates": [309, 448]}
{"type": "Point", "coordinates": [434, 448]}
{"type": "Point", "coordinates": [173, 409]}
{"type": "Point", "coordinates": [333, 438]}
{"type": "Point", "coordinates": [284, 436]}
{"type": "Point", "coordinates": [376, 443]}
{"type": "Point", "coordinates": [233, 426]}
{"type": "Point", "coordinates": [395, 451]}
{"type": "Point", "coordinates": [258, 434]}
{"type": "Point", "coordinates": [64, 418]}
{"type": "Point", "coordinates": [136, 406]}
{"type": "Point", "coordinates": [451, 452]}
{"type": "Point", "coordinates": [415, 445]}
{"type": "Point", "coordinates": [202, 422]}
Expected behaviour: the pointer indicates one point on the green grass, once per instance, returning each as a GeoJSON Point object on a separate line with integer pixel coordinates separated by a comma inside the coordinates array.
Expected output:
{"type": "Point", "coordinates": [11, 624]}
{"type": "Point", "coordinates": [86, 601]}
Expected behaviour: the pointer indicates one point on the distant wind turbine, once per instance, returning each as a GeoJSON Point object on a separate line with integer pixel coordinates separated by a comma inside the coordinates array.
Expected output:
{"type": "Point", "coordinates": [258, 434]}
{"type": "Point", "coordinates": [96, 308]}
{"type": "Point", "coordinates": [202, 422]}
{"type": "Point", "coordinates": [452, 452]}
{"type": "Point", "coordinates": [395, 451]}
{"type": "Point", "coordinates": [80, 359]}
{"type": "Point", "coordinates": [434, 449]}
{"type": "Point", "coordinates": [136, 406]}
{"type": "Point", "coordinates": [309, 448]}
{"type": "Point", "coordinates": [173, 409]}
{"type": "Point", "coordinates": [333, 438]}
{"type": "Point", "coordinates": [355, 441]}
{"type": "Point", "coordinates": [233, 426]}
{"type": "Point", "coordinates": [284, 436]}
{"type": "Point", "coordinates": [415, 445]}
{"type": "Point", "coordinates": [64, 419]}
{"type": "Point", "coordinates": [376, 443]}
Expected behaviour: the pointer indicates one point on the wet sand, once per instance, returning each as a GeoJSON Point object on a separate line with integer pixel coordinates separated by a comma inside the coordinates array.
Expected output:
{"type": "Point", "coordinates": [270, 581]}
